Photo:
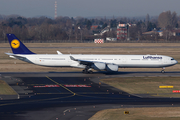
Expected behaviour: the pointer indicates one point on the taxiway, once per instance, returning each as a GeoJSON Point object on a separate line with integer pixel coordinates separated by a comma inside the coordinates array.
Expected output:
{"type": "Point", "coordinates": [71, 95]}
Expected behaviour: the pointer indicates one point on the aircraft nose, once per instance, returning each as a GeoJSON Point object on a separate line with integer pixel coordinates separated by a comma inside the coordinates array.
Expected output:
{"type": "Point", "coordinates": [176, 61]}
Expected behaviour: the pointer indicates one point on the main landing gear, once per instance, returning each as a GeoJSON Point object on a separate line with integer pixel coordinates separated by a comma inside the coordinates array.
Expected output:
{"type": "Point", "coordinates": [87, 70]}
{"type": "Point", "coordinates": [163, 70]}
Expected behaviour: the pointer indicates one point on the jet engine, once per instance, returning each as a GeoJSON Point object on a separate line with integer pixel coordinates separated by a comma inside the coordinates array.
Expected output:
{"type": "Point", "coordinates": [99, 66]}
{"type": "Point", "coordinates": [111, 68]}
{"type": "Point", "coordinates": [103, 66]}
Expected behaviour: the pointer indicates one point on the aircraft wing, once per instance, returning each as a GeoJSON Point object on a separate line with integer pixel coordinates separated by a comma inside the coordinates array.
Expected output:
{"type": "Point", "coordinates": [84, 62]}
{"type": "Point", "coordinates": [97, 65]}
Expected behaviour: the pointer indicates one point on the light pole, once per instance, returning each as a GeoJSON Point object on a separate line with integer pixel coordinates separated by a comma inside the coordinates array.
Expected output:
{"type": "Point", "coordinates": [80, 32]}
{"type": "Point", "coordinates": [128, 32]}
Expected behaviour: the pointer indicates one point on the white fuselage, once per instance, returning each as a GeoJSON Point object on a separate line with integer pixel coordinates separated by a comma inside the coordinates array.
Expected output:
{"type": "Point", "coordinates": [123, 61]}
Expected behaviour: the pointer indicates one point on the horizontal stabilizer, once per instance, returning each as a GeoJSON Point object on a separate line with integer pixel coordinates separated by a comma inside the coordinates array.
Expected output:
{"type": "Point", "coordinates": [15, 56]}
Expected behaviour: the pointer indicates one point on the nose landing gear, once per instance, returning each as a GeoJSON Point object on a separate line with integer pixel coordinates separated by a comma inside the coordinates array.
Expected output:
{"type": "Point", "coordinates": [163, 70]}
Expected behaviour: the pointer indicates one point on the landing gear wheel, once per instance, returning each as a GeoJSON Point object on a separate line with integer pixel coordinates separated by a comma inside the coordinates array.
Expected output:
{"type": "Point", "coordinates": [87, 71]}
{"type": "Point", "coordinates": [90, 72]}
{"type": "Point", "coordinates": [162, 71]}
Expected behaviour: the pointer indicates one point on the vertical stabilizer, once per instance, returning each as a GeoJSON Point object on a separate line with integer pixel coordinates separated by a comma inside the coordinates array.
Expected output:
{"type": "Point", "coordinates": [17, 46]}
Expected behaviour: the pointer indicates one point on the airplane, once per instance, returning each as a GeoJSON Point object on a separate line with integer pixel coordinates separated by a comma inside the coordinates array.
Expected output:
{"type": "Point", "coordinates": [87, 62]}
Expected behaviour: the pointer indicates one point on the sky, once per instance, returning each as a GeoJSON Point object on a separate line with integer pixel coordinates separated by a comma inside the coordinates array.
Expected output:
{"type": "Point", "coordinates": [88, 8]}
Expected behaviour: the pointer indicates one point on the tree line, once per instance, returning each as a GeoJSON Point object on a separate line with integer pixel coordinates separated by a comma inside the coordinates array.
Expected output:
{"type": "Point", "coordinates": [66, 29]}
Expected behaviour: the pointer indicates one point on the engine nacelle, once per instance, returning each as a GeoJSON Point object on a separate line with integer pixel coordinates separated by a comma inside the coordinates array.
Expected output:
{"type": "Point", "coordinates": [99, 66]}
{"type": "Point", "coordinates": [111, 68]}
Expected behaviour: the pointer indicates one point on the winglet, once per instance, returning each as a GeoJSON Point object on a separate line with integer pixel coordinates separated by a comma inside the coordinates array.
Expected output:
{"type": "Point", "coordinates": [17, 46]}
{"type": "Point", "coordinates": [59, 53]}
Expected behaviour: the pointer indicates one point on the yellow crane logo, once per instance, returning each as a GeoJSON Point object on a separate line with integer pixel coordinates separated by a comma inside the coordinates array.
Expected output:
{"type": "Point", "coordinates": [15, 43]}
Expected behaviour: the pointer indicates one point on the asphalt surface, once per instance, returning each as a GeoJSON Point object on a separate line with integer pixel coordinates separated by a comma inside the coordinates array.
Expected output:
{"type": "Point", "coordinates": [71, 95]}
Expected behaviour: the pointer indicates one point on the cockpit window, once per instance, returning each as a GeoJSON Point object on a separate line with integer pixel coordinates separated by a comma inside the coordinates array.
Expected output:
{"type": "Point", "coordinates": [172, 58]}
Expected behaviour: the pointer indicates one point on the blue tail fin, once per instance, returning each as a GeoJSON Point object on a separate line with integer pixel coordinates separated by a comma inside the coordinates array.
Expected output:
{"type": "Point", "coordinates": [17, 46]}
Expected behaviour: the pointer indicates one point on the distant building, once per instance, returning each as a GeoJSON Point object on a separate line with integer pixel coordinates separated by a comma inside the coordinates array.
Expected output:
{"type": "Point", "coordinates": [111, 39]}
{"type": "Point", "coordinates": [161, 33]}
{"type": "Point", "coordinates": [151, 32]}
{"type": "Point", "coordinates": [122, 31]}
{"type": "Point", "coordinates": [94, 27]}
{"type": "Point", "coordinates": [131, 25]}
{"type": "Point", "coordinates": [106, 29]}
{"type": "Point", "coordinates": [175, 32]}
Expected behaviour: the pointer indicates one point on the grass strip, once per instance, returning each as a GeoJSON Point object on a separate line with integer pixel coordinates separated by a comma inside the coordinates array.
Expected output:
{"type": "Point", "coordinates": [5, 89]}
{"type": "Point", "coordinates": [153, 113]}
{"type": "Point", "coordinates": [146, 85]}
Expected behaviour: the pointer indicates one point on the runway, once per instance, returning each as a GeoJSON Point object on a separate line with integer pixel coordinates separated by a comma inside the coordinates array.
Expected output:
{"type": "Point", "coordinates": [52, 95]}
{"type": "Point", "coordinates": [95, 74]}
